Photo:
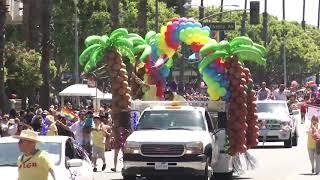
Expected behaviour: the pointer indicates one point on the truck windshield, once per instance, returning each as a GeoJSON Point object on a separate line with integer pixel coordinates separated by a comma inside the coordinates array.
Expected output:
{"type": "Point", "coordinates": [171, 120]}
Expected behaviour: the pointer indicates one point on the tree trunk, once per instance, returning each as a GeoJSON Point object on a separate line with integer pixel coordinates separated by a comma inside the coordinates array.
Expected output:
{"type": "Point", "coordinates": [142, 17]}
{"type": "Point", "coordinates": [44, 67]}
{"type": "Point", "coordinates": [4, 103]}
{"type": "Point", "coordinates": [121, 98]}
{"type": "Point", "coordinates": [31, 22]}
{"type": "Point", "coordinates": [114, 7]}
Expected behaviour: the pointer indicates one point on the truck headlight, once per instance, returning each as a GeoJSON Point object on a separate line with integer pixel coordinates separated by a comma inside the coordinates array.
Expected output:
{"type": "Point", "coordinates": [285, 125]}
{"type": "Point", "coordinates": [194, 148]}
{"type": "Point", "coordinates": [131, 147]}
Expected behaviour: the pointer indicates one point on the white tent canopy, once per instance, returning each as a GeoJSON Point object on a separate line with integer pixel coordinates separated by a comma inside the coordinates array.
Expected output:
{"type": "Point", "coordinates": [81, 90]}
{"type": "Point", "coordinates": [105, 96]}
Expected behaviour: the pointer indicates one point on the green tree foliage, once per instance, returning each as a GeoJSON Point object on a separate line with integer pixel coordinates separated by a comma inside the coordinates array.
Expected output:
{"type": "Point", "coordinates": [23, 70]}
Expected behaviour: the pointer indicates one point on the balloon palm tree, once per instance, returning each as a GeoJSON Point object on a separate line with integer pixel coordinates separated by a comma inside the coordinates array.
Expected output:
{"type": "Point", "coordinates": [109, 50]}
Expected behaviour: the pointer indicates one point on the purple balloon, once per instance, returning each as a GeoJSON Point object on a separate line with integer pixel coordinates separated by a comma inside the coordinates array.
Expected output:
{"type": "Point", "coordinates": [183, 19]}
{"type": "Point", "coordinates": [192, 20]}
{"type": "Point", "coordinates": [213, 65]}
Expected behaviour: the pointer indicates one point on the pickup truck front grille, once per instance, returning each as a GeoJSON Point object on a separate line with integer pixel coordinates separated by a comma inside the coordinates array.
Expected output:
{"type": "Point", "coordinates": [162, 149]}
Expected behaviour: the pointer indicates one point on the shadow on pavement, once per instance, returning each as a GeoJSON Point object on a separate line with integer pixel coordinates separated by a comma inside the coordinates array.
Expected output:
{"type": "Point", "coordinates": [307, 174]}
{"type": "Point", "coordinates": [237, 177]}
{"type": "Point", "coordinates": [269, 147]}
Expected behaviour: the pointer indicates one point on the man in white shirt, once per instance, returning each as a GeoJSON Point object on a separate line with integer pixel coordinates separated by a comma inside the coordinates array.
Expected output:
{"type": "Point", "coordinates": [13, 126]}
{"type": "Point", "coordinates": [280, 94]}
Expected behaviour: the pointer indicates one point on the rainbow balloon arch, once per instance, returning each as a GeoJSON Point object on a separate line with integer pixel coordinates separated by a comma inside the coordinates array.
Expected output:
{"type": "Point", "coordinates": [221, 65]}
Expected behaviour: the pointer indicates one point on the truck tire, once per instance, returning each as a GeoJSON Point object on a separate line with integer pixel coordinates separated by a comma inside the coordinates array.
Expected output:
{"type": "Point", "coordinates": [288, 143]}
{"type": "Point", "coordinates": [295, 139]}
{"type": "Point", "coordinates": [222, 176]}
{"type": "Point", "coordinates": [206, 175]}
{"type": "Point", "coordinates": [129, 177]}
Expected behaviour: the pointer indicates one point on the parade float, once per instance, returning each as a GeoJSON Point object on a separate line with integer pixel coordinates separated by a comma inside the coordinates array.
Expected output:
{"type": "Point", "coordinates": [221, 65]}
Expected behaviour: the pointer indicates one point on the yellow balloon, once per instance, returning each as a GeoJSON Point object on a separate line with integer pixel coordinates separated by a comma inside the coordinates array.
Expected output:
{"type": "Point", "coordinates": [163, 30]}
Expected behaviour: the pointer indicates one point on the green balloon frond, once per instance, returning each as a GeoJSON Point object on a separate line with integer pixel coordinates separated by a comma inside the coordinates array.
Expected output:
{"type": "Point", "coordinates": [242, 47]}
{"type": "Point", "coordinates": [97, 46]}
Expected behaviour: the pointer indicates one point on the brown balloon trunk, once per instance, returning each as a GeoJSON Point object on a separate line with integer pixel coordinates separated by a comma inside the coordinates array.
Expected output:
{"type": "Point", "coordinates": [121, 98]}
{"type": "Point", "coordinates": [237, 114]}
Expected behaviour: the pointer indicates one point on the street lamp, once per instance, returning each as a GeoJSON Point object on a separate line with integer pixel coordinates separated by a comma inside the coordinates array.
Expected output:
{"type": "Point", "coordinates": [76, 42]}
{"type": "Point", "coordinates": [284, 44]}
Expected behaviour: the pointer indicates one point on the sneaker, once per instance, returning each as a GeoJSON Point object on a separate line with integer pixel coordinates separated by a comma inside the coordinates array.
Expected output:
{"type": "Point", "coordinates": [103, 167]}
{"type": "Point", "coordinates": [113, 169]}
{"type": "Point", "coordinates": [94, 169]}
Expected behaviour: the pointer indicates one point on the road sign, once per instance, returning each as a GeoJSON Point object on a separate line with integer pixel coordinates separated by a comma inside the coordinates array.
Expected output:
{"type": "Point", "coordinates": [218, 26]}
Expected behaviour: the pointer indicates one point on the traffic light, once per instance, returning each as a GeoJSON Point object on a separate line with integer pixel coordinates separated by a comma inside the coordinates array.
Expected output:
{"type": "Point", "coordinates": [254, 12]}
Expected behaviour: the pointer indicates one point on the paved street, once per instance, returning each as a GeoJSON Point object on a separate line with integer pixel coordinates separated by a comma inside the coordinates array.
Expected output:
{"type": "Point", "coordinates": [274, 163]}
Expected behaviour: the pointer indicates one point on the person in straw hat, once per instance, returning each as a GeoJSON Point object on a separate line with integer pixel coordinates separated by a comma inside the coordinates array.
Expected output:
{"type": "Point", "coordinates": [33, 163]}
{"type": "Point", "coordinates": [52, 129]}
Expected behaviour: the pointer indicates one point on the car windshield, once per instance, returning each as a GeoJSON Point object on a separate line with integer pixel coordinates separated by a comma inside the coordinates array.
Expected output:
{"type": "Point", "coordinates": [9, 152]}
{"type": "Point", "coordinates": [272, 108]}
{"type": "Point", "coordinates": [170, 120]}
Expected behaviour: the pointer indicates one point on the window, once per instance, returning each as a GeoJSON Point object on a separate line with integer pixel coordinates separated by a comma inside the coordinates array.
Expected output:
{"type": "Point", "coordinates": [9, 152]}
{"type": "Point", "coordinates": [172, 119]}
{"type": "Point", "coordinates": [209, 122]}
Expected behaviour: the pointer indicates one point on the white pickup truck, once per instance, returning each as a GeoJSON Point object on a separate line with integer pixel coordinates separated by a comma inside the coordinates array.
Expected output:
{"type": "Point", "coordinates": [173, 140]}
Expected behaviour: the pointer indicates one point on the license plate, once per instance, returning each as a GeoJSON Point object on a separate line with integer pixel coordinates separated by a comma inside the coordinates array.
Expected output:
{"type": "Point", "coordinates": [161, 166]}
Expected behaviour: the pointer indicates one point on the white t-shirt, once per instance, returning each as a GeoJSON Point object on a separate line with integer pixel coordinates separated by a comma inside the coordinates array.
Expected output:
{"type": "Point", "coordinates": [77, 129]}
{"type": "Point", "coordinates": [12, 130]}
{"type": "Point", "coordinates": [280, 95]}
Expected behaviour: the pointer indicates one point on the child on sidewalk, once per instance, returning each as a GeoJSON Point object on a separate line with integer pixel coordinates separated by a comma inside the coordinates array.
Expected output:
{"type": "Point", "coordinates": [98, 140]}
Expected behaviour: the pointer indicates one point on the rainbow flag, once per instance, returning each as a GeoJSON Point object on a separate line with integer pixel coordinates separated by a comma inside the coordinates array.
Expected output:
{"type": "Point", "coordinates": [68, 114]}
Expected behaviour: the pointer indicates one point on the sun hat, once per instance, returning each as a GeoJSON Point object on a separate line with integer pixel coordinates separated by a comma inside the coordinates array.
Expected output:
{"type": "Point", "coordinates": [11, 121]}
{"type": "Point", "coordinates": [50, 118]}
{"type": "Point", "coordinates": [96, 115]}
{"type": "Point", "coordinates": [28, 135]}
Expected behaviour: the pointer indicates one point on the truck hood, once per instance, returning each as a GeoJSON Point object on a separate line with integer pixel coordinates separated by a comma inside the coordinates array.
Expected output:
{"type": "Point", "coordinates": [274, 116]}
{"type": "Point", "coordinates": [169, 136]}
{"type": "Point", "coordinates": [11, 172]}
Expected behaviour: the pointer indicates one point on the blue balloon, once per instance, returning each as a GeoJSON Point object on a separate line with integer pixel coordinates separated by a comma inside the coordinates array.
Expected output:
{"type": "Point", "coordinates": [206, 28]}
{"type": "Point", "coordinates": [218, 78]}
{"type": "Point", "coordinates": [164, 71]}
{"type": "Point", "coordinates": [189, 24]}
{"type": "Point", "coordinates": [197, 24]}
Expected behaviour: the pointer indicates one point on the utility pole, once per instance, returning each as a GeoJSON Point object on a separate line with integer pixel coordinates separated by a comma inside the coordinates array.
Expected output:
{"type": "Point", "coordinates": [244, 19]}
{"type": "Point", "coordinates": [183, 51]}
{"type": "Point", "coordinates": [318, 14]}
{"type": "Point", "coordinates": [303, 23]}
{"type": "Point", "coordinates": [284, 44]}
{"type": "Point", "coordinates": [265, 23]}
{"type": "Point", "coordinates": [157, 16]}
{"type": "Point", "coordinates": [201, 10]}
{"type": "Point", "coordinates": [76, 42]}
{"type": "Point", "coordinates": [220, 19]}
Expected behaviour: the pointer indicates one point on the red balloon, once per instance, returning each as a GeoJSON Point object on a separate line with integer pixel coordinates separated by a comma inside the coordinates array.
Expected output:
{"type": "Point", "coordinates": [174, 19]}
{"type": "Point", "coordinates": [196, 47]}
{"type": "Point", "coordinates": [169, 28]}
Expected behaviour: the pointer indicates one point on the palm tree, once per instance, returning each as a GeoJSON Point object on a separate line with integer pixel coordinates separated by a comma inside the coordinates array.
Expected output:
{"type": "Point", "coordinates": [45, 28]}
{"type": "Point", "coordinates": [3, 97]}
{"type": "Point", "coordinates": [109, 51]}
{"type": "Point", "coordinates": [142, 16]}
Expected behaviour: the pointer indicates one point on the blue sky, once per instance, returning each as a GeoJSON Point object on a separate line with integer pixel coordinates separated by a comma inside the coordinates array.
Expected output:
{"type": "Point", "coordinates": [293, 8]}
